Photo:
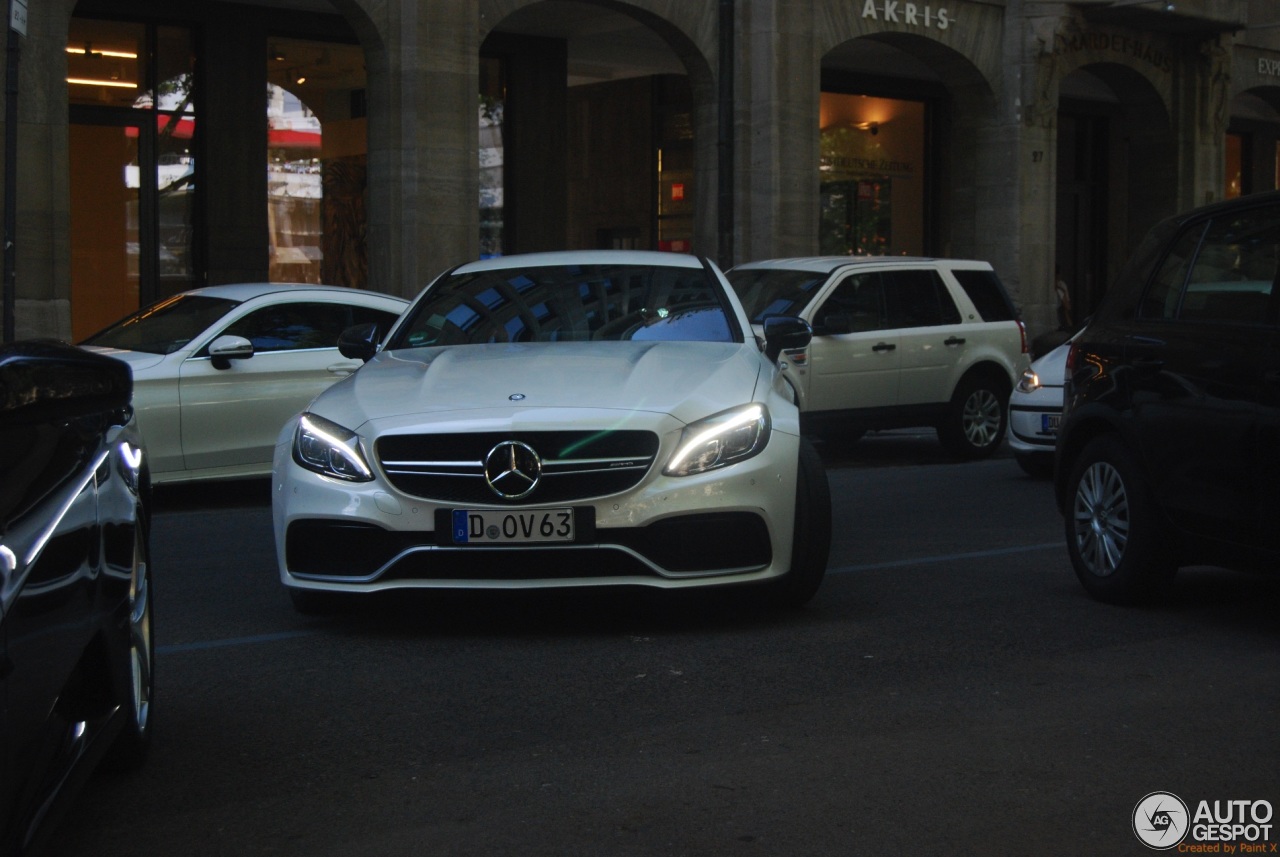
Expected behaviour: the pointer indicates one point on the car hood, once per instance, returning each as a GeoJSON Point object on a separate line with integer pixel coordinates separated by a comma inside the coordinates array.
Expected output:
{"type": "Point", "coordinates": [687, 380]}
{"type": "Point", "coordinates": [137, 360]}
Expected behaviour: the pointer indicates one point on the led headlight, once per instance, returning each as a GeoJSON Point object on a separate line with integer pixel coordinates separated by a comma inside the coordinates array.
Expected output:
{"type": "Point", "coordinates": [726, 438]}
{"type": "Point", "coordinates": [327, 448]}
{"type": "Point", "coordinates": [1029, 382]}
{"type": "Point", "coordinates": [129, 464]}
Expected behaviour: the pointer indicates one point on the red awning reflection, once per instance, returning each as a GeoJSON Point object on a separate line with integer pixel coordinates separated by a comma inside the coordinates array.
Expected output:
{"type": "Point", "coordinates": [277, 138]}
{"type": "Point", "coordinates": [288, 138]}
{"type": "Point", "coordinates": [182, 129]}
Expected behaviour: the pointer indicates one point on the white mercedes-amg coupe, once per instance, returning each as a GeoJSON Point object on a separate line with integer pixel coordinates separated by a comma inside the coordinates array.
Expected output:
{"type": "Point", "coordinates": [574, 419]}
{"type": "Point", "coordinates": [217, 370]}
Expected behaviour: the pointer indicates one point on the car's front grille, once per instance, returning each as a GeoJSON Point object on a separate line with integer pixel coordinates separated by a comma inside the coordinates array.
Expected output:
{"type": "Point", "coordinates": [576, 465]}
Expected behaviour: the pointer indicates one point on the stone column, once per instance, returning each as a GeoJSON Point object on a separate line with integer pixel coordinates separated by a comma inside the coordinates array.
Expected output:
{"type": "Point", "coordinates": [1212, 80]}
{"type": "Point", "coordinates": [1039, 73]}
{"type": "Point", "coordinates": [42, 230]}
{"type": "Point", "coordinates": [776, 204]}
{"type": "Point", "coordinates": [423, 134]}
{"type": "Point", "coordinates": [236, 138]}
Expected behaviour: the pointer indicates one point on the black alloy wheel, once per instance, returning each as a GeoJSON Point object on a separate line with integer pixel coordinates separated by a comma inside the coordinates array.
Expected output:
{"type": "Point", "coordinates": [976, 418]}
{"type": "Point", "coordinates": [1117, 541]}
{"type": "Point", "coordinates": [129, 750]}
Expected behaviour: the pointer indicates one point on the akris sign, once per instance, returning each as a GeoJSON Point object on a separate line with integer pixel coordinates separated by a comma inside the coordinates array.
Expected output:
{"type": "Point", "coordinates": [911, 14]}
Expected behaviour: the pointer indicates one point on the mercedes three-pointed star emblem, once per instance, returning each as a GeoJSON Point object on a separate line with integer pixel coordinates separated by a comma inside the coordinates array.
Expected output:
{"type": "Point", "coordinates": [512, 469]}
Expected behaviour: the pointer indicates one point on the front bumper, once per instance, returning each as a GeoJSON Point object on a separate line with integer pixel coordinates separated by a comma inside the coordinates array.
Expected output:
{"type": "Point", "coordinates": [702, 544]}
{"type": "Point", "coordinates": [1033, 419]}
{"type": "Point", "coordinates": [731, 525]}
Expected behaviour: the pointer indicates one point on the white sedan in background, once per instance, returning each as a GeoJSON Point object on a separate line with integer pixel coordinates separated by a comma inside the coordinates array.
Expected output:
{"type": "Point", "coordinates": [217, 371]}
{"type": "Point", "coordinates": [592, 418]}
{"type": "Point", "coordinates": [1035, 411]}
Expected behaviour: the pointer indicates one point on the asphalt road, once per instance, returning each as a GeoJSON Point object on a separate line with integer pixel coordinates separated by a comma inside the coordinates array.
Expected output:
{"type": "Point", "coordinates": [949, 690]}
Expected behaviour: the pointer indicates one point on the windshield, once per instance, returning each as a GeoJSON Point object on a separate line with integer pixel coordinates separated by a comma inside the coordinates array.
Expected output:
{"type": "Point", "coordinates": [765, 292]}
{"type": "Point", "coordinates": [163, 327]}
{"type": "Point", "coordinates": [570, 303]}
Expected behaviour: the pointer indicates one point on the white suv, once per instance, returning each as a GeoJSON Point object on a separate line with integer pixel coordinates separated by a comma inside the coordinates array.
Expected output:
{"type": "Point", "coordinates": [897, 342]}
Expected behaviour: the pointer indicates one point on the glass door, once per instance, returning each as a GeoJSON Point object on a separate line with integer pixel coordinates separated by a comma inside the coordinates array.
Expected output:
{"type": "Point", "coordinates": [132, 168]}
{"type": "Point", "coordinates": [111, 248]}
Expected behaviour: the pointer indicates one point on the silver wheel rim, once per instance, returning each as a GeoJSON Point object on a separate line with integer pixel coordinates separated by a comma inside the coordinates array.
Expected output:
{"type": "Point", "coordinates": [140, 636]}
{"type": "Point", "coordinates": [1101, 516]}
{"type": "Point", "coordinates": [981, 418]}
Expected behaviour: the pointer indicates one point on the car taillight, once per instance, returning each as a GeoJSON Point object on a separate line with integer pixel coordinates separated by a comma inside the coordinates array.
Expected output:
{"type": "Point", "coordinates": [1071, 359]}
{"type": "Point", "coordinates": [1022, 328]}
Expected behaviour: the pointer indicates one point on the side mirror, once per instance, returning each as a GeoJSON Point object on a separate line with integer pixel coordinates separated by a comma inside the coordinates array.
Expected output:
{"type": "Point", "coordinates": [783, 333]}
{"type": "Point", "coordinates": [43, 382]}
{"type": "Point", "coordinates": [56, 403]}
{"type": "Point", "coordinates": [359, 342]}
{"type": "Point", "coordinates": [226, 348]}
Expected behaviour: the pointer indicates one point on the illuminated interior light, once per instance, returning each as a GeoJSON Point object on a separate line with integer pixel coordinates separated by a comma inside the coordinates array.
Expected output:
{"type": "Point", "coordinates": [88, 51]}
{"type": "Point", "coordinates": [87, 81]}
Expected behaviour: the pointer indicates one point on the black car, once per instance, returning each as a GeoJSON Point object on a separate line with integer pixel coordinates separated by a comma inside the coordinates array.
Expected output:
{"type": "Point", "coordinates": [76, 648]}
{"type": "Point", "coordinates": [1169, 451]}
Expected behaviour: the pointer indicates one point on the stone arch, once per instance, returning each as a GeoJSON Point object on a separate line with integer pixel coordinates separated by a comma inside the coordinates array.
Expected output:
{"type": "Point", "coordinates": [943, 36]}
{"type": "Point", "coordinates": [689, 32]}
{"type": "Point", "coordinates": [970, 188]}
{"type": "Point", "coordinates": [362, 24]}
{"type": "Point", "coordinates": [677, 26]}
{"type": "Point", "coordinates": [1267, 95]}
{"type": "Point", "coordinates": [1130, 75]}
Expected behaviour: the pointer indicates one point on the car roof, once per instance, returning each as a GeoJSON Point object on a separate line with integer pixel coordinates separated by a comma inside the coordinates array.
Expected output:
{"type": "Point", "coordinates": [1239, 203]}
{"type": "Point", "coordinates": [657, 258]}
{"type": "Point", "coordinates": [828, 264]}
{"type": "Point", "coordinates": [246, 291]}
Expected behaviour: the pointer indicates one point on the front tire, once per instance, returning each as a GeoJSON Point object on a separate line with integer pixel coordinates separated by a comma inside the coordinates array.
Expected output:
{"type": "Point", "coordinates": [1118, 543]}
{"type": "Point", "coordinates": [811, 534]}
{"type": "Point", "coordinates": [976, 418]}
{"type": "Point", "coordinates": [129, 750]}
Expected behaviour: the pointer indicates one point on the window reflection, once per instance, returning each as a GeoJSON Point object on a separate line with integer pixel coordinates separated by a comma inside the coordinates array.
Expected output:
{"type": "Point", "coordinates": [294, 188]}
{"type": "Point", "coordinates": [317, 162]}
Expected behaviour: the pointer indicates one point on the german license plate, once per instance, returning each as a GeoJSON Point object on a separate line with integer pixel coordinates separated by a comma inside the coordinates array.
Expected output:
{"type": "Point", "coordinates": [1049, 423]}
{"type": "Point", "coordinates": [498, 526]}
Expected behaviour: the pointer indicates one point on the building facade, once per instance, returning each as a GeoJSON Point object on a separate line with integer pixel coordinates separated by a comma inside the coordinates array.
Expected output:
{"type": "Point", "coordinates": [375, 143]}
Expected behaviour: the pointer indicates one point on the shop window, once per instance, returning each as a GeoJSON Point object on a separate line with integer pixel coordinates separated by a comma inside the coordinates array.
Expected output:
{"type": "Point", "coordinates": [294, 188]}
{"type": "Point", "coordinates": [1234, 166]}
{"type": "Point", "coordinates": [106, 63]}
{"type": "Point", "coordinates": [674, 121]}
{"type": "Point", "coordinates": [872, 182]}
{"type": "Point", "coordinates": [131, 167]}
{"type": "Point", "coordinates": [317, 163]}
